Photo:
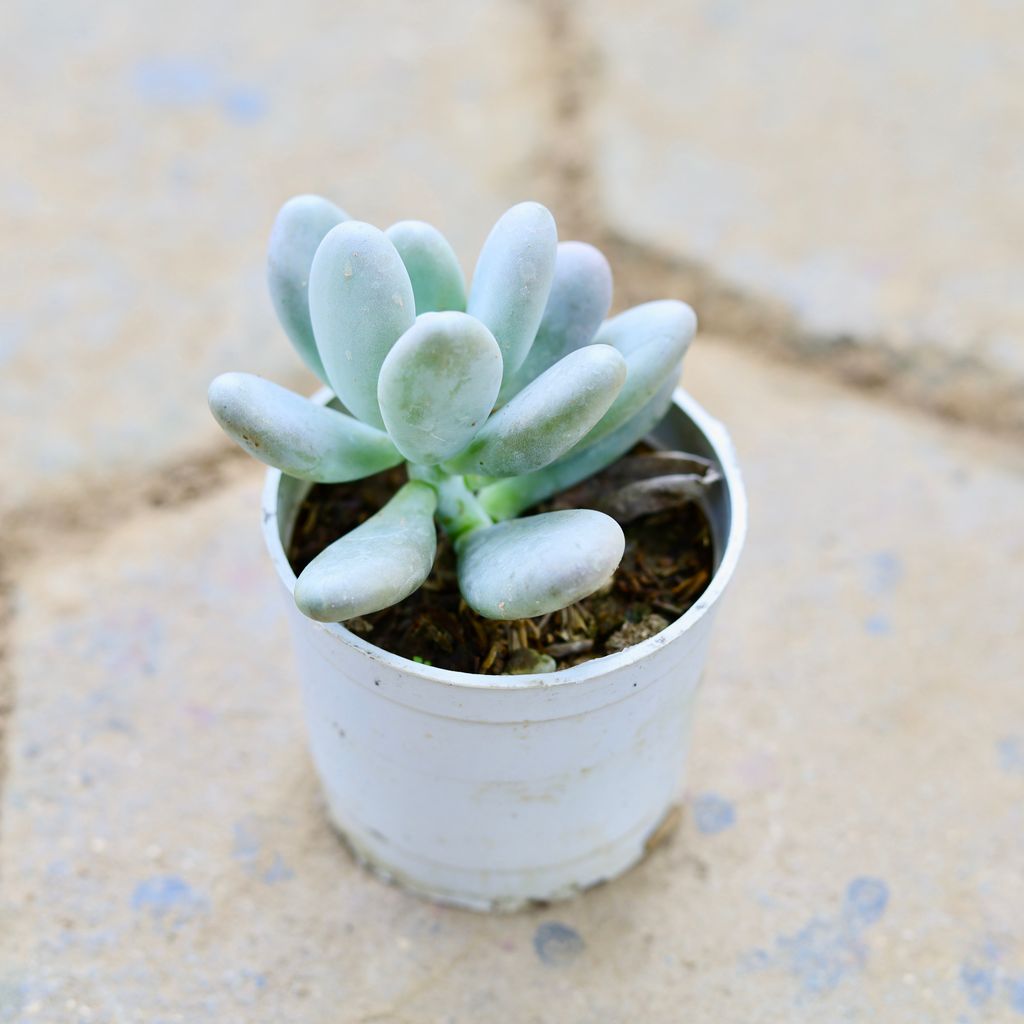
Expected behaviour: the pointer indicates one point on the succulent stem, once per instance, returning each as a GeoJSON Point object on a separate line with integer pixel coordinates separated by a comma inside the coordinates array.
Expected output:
{"type": "Point", "coordinates": [458, 510]}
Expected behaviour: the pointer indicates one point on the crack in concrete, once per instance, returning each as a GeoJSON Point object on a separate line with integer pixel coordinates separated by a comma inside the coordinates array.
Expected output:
{"type": "Point", "coordinates": [93, 510]}
{"type": "Point", "coordinates": [957, 388]}
{"type": "Point", "coordinates": [6, 680]}
{"type": "Point", "coordinates": [567, 148]}
{"type": "Point", "coordinates": [961, 389]}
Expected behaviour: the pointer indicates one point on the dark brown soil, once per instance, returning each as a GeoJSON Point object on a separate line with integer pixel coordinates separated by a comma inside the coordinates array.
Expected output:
{"type": "Point", "coordinates": [667, 565]}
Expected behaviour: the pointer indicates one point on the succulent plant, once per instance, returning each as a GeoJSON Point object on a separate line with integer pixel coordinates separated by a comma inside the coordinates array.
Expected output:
{"type": "Point", "coordinates": [496, 399]}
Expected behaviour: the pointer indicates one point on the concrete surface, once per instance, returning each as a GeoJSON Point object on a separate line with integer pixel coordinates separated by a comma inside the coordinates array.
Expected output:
{"type": "Point", "coordinates": [832, 184]}
{"type": "Point", "coordinates": [148, 148]}
{"type": "Point", "coordinates": [860, 165]}
{"type": "Point", "coordinates": [850, 850]}
{"type": "Point", "coordinates": [857, 169]}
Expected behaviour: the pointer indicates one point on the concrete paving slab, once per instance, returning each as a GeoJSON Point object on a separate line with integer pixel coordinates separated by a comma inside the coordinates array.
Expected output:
{"type": "Point", "coordinates": [858, 163]}
{"type": "Point", "coordinates": [851, 845]}
{"type": "Point", "coordinates": [148, 147]}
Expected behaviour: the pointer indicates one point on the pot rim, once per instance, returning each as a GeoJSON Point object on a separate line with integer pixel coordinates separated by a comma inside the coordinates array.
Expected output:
{"type": "Point", "coordinates": [725, 456]}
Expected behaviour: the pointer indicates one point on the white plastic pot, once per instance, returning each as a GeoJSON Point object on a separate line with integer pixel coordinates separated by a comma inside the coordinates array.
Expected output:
{"type": "Point", "coordinates": [493, 791]}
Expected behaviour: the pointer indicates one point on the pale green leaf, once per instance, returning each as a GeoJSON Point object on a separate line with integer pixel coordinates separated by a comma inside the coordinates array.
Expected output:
{"type": "Point", "coordinates": [513, 278]}
{"type": "Point", "coordinates": [437, 385]}
{"type": "Point", "coordinates": [299, 437]}
{"type": "Point", "coordinates": [548, 416]}
{"type": "Point", "coordinates": [668, 321]}
{"type": "Point", "coordinates": [437, 279]}
{"type": "Point", "coordinates": [299, 228]}
{"type": "Point", "coordinates": [377, 564]}
{"type": "Point", "coordinates": [528, 567]}
{"type": "Point", "coordinates": [581, 293]}
{"type": "Point", "coordinates": [360, 302]}
{"type": "Point", "coordinates": [507, 498]}
{"type": "Point", "coordinates": [653, 338]}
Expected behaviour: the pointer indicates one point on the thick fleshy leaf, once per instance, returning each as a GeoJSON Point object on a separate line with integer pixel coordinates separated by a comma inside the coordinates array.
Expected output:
{"type": "Point", "coordinates": [437, 279]}
{"type": "Point", "coordinates": [360, 303]}
{"type": "Point", "coordinates": [513, 278]}
{"type": "Point", "coordinates": [507, 498]}
{"type": "Point", "coordinates": [532, 566]}
{"type": "Point", "coordinates": [377, 564]}
{"type": "Point", "coordinates": [653, 338]}
{"type": "Point", "coordinates": [548, 416]}
{"type": "Point", "coordinates": [581, 293]}
{"type": "Point", "coordinates": [666, 320]}
{"type": "Point", "coordinates": [437, 385]}
{"type": "Point", "coordinates": [297, 436]}
{"type": "Point", "coordinates": [299, 228]}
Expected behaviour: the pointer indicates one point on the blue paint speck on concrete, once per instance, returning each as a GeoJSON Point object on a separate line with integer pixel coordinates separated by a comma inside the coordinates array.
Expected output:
{"type": "Point", "coordinates": [246, 845]}
{"type": "Point", "coordinates": [722, 13]}
{"type": "Point", "coordinates": [1015, 994]}
{"type": "Point", "coordinates": [866, 900]}
{"type": "Point", "coordinates": [878, 625]}
{"type": "Point", "coordinates": [14, 333]}
{"type": "Point", "coordinates": [885, 570]}
{"type": "Point", "coordinates": [1010, 750]}
{"type": "Point", "coordinates": [186, 82]}
{"type": "Point", "coordinates": [978, 983]}
{"type": "Point", "coordinates": [245, 104]}
{"type": "Point", "coordinates": [278, 871]}
{"type": "Point", "coordinates": [756, 960]}
{"type": "Point", "coordinates": [985, 982]}
{"type": "Point", "coordinates": [829, 949]}
{"type": "Point", "coordinates": [164, 893]}
{"type": "Point", "coordinates": [557, 944]}
{"type": "Point", "coordinates": [713, 813]}
{"type": "Point", "coordinates": [175, 81]}
{"type": "Point", "coordinates": [58, 869]}
{"type": "Point", "coordinates": [820, 955]}
{"type": "Point", "coordinates": [14, 994]}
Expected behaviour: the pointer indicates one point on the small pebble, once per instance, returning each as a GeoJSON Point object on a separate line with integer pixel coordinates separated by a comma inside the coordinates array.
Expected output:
{"type": "Point", "coordinates": [570, 648]}
{"type": "Point", "coordinates": [634, 632]}
{"type": "Point", "coordinates": [525, 662]}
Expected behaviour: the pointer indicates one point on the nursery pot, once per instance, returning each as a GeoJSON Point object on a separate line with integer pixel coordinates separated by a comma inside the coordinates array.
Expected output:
{"type": "Point", "coordinates": [493, 791]}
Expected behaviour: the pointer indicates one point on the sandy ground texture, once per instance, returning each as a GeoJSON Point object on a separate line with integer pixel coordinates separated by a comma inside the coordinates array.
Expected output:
{"type": "Point", "coordinates": [853, 830]}
{"type": "Point", "coordinates": [834, 187]}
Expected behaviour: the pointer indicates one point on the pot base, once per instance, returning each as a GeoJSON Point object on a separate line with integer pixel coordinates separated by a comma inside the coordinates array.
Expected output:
{"type": "Point", "coordinates": [622, 856]}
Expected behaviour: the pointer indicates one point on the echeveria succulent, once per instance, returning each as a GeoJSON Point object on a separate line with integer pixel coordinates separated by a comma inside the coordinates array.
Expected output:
{"type": "Point", "coordinates": [496, 400]}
